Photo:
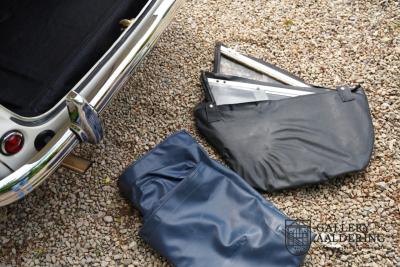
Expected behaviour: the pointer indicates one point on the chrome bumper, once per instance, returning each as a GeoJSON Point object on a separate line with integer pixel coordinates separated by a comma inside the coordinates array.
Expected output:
{"type": "Point", "coordinates": [22, 181]}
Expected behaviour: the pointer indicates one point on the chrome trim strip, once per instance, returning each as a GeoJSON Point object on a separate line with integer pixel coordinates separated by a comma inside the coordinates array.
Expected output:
{"type": "Point", "coordinates": [257, 87]}
{"type": "Point", "coordinates": [230, 53]}
{"type": "Point", "coordinates": [16, 185]}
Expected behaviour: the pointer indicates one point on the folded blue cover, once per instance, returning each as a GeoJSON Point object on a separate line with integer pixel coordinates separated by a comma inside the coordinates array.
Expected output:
{"type": "Point", "coordinates": [198, 212]}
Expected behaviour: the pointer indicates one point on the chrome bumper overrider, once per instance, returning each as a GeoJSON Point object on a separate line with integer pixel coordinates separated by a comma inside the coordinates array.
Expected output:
{"type": "Point", "coordinates": [26, 178]}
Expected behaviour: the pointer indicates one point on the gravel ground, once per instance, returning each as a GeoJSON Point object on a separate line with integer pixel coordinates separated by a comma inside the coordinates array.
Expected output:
{"type": "Point", "coordinates": [77, 219]}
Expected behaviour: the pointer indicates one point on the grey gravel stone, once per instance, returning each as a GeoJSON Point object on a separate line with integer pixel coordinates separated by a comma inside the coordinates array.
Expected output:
{"type": "Point", "coordinates": [117, 257]}
{"type": "Point", "coordinates": [382, 185]}
{"type": "Point", "coordinates": [108, 219]}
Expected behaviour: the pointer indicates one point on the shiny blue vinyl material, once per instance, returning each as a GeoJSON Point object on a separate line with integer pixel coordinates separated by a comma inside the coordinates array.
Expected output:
{"type": "Point", "coordinates": [198, 212]}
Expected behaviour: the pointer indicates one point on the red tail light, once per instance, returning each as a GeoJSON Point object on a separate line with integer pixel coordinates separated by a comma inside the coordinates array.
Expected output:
{"type": "Point", "coordinates": [12, 143]}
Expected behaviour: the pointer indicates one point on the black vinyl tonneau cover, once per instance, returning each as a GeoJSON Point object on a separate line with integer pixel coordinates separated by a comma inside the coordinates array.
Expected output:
{"type": "Point", "coordinates": [47, 46]}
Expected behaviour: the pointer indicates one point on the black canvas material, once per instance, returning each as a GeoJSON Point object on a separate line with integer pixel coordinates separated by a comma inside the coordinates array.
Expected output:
{"type": "Point", "coordinates": [47, 46]}
{"type": "Point", "coordinates": [291, 142]}
{"type": "Point", "coordinates": [199, 213]}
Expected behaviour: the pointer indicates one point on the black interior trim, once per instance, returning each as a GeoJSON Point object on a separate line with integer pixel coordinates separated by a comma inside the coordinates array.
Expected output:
{"type": "Point", "coordinates": [91, 74]}
{"type": "Point", "coordinates": [66, 42]}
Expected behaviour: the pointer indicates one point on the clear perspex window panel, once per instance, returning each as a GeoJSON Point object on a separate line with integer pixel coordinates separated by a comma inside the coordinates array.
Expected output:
{"type": "Point", "coordinates": [262, 81]}
{"type": "Point", "coordinates": [231, 62]}
{"type": "Point", "coordinates": [231, 67]}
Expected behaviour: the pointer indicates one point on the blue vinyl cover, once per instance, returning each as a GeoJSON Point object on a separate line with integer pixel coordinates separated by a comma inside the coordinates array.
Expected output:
{"type": "Point", "coordinates": [198, 212]}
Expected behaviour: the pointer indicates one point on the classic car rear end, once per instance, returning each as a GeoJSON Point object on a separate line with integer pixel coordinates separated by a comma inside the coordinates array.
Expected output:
{"type": "Point", "coordinates": [60, 63]}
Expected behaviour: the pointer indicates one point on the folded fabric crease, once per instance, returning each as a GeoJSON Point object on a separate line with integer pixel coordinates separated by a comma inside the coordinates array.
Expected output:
{"type": "Point", "coordinates": [199, 213]}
